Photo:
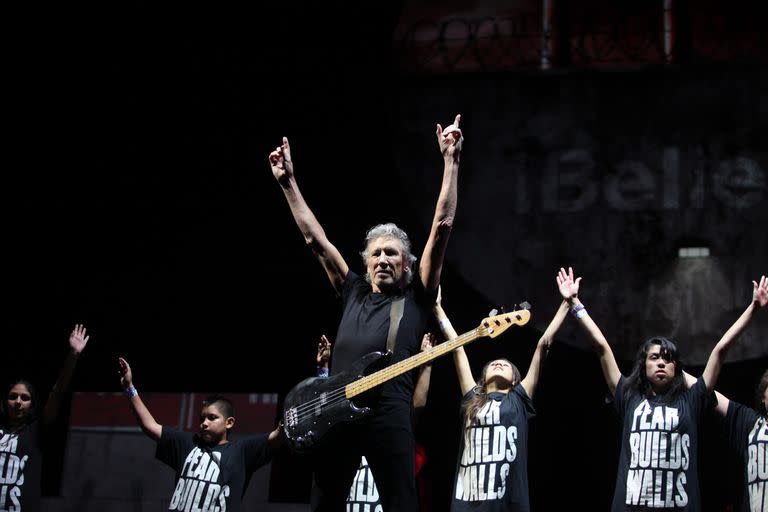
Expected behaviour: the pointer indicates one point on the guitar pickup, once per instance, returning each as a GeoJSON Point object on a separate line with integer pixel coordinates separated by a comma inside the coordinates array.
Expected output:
{"type": "Point", "coordinates": [321, 401]}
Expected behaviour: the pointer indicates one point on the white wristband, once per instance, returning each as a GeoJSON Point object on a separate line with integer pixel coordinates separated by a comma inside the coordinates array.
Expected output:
{"type": "Point", "coordinates": [130, 391]}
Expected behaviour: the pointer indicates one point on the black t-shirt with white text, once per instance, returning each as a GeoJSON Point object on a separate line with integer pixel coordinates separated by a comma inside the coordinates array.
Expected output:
{"type": "Point", "coordinates": [748, 435]}
{"type": "Point", "coordinates": [658, 464]}
{"type": "Point", "coordinates": [364, 495]}
{"type": "Point", "coordinates": [210, 478]}
{"type": "Point", "coordinates": [492, 472]}
{"type": "Point", "coordinates": [20, 469]}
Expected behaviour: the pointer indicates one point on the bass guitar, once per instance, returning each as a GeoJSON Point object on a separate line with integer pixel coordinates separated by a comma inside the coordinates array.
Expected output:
{"type": "Point", "coordinates": [316, 405]}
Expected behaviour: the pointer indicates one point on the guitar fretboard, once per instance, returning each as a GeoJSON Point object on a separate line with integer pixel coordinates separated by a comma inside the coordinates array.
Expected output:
{"type": "Point", "coordinates": [390, 372]}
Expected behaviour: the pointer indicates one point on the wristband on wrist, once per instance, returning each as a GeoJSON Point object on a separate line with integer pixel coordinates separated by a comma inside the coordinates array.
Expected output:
{"type": "Point", "coordinates": [579, 311]}
{"type": "Point", "coordinates": [322, 371]}
{"type": "Point", "coordinates": [130, 391]}
{"type": "Point", "coordinates": [444, 323]}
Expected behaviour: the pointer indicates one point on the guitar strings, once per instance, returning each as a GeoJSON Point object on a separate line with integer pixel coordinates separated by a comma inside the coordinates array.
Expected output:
{"type": "Point", "coordinates": [333, 397]}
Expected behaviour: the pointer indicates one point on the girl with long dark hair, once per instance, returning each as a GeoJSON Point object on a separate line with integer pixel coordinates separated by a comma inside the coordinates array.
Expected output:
{"type": "Point", "coordinates": [21, 426]}
{"type": "Point", "coordinates": [661, 410]}
{"type": "Point", "coordinates": [492, 472]}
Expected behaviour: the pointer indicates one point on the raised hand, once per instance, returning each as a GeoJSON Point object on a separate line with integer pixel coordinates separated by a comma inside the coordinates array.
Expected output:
{"type": "Point", "coordinates": [126, 377]}
{"type": "Point", "coordinates": [428, 341]}
{"type": "Point", "coordinates": [568, 286]}
{"type": "Point", "coordinates": [760, 292]}
{"type": "Point", "coordinates": [450, 139]}
{"type": "Point", "coordinates": [280, 161]}
{"type": "Point", "coordinates": [78, 339]}
{"type": "Point", "coordinates": [323, 351]}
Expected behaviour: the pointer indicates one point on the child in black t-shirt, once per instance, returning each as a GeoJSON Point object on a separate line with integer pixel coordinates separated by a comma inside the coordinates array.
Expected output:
{"type": "Point", "coordinates": [212, 472]}
{"type": "Point", "coordinates": [747, 431]}
{"type": "Point", "coordinates": [21, 425]}
{"type": "Point", "coordinates": [661, 408]}
{"type": "Point", "coordinates": [492, 471]}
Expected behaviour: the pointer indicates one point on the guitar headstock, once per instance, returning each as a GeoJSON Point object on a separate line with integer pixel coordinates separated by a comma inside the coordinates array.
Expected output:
{"type": "Point", "coordinates": [494, 325]}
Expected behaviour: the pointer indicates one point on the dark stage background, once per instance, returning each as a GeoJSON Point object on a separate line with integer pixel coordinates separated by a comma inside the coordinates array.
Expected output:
{"type": "Point", "coordinates": [140, 201]}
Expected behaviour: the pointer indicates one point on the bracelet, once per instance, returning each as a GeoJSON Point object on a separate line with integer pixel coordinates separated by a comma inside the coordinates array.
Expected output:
{"type": "Point", "coordinates": [444, 323]}
{"type": "Point", "coordinates": [130, 391]}
{"type": "Point", "coordinates": [579, 311]}
{"type": "Point", "coordinates": [322, 372]}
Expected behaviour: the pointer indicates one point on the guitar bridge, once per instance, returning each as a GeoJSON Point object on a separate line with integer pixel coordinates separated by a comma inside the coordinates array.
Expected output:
{"type": "Point", "coordinates": [291, 418]}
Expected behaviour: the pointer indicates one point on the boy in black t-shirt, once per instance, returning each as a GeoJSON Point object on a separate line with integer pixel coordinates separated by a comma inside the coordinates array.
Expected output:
{"type": "Point", "coordinates": [212, 472]}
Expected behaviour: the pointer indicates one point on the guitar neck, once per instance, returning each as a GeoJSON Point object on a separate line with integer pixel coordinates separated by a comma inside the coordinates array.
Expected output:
{"type": "Point", "coordinates": [390, 372]}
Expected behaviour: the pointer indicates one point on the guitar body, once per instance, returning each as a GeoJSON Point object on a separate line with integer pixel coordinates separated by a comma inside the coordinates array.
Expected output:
{"type": "Point", "coordinates": [317, 404]}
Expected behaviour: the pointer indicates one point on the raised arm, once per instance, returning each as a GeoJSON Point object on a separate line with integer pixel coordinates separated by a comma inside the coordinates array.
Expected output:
{"type": "Point", "coordinates": [146, 421]}
{"type": "Point", "coordinates": [450, 141]}
{"type": "Point", "coordinates": [323, 356]}
{"type": "Point", "coordinates": [463, 370]}
{"type": "Point", "coordinates": [77, 342]}
{"type": "Point", "coordinates": [531, 379]}
{"type": "Point", "coordinates": [425, 374]}
{"type": "Point", "coordinates": [569, 289]}
{"type": "Point", "coordinates": [314, 235]}
{"type": "Point", "coordinates": [715, 361]}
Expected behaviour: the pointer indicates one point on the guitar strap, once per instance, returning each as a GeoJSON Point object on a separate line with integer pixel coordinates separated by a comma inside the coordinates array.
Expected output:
{"type": "Point", "coordinates": [395, 314]}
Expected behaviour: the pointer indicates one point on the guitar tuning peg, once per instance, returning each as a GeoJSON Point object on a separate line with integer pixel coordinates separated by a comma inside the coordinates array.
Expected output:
{"type": "Point", "coordinates": [493, 312]}
{"type": "Point", "coordinates": [525, 305]}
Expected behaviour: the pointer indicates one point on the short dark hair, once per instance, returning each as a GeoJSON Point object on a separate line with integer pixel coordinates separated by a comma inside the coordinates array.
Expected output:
{"type": "Point", "coordinates": [222, 404]}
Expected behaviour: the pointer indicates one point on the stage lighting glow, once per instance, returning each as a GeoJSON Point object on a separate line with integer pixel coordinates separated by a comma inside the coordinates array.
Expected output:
{"type": "Point", "coordinates": [693, 252]}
